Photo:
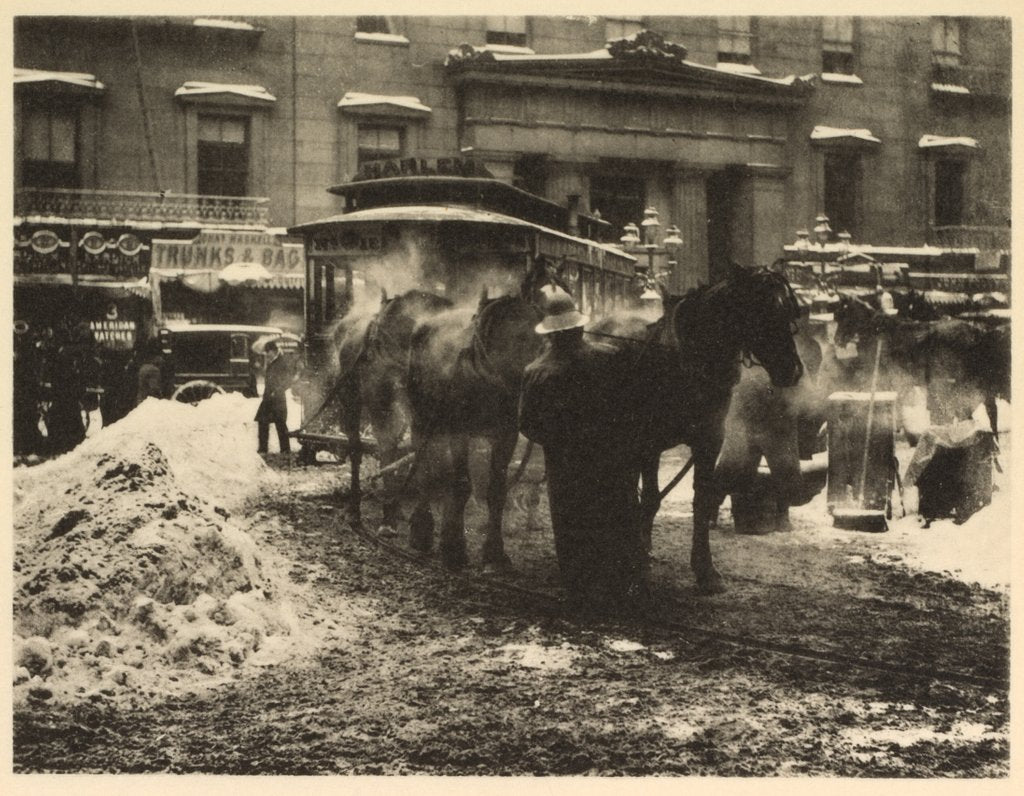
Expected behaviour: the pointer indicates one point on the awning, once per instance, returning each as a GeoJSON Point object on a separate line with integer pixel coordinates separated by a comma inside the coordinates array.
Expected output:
{"type": "Point", "coordinates": [932, 141]}
{"type": "Point", "coordinates": [76, 79]}
{"type": "Point", "coordinates": [854, 135]}
{"type": "Point", "coordinates": [358, 102]}
{"type": "Point", "coordinates": [198, 88]}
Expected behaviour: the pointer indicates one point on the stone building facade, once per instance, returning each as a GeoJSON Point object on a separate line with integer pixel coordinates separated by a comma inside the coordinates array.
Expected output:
{"type": "Point", "coordinates": [739, 130]}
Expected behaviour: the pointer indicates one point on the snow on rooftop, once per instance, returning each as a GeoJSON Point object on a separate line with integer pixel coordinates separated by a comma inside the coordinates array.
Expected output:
{"type": "Point", "coordinates": [358, 98]}
{"type": "Point", "coordinates": [197, 87]}
{"type": "Point", "coordinates": [737, 69]}
{"type": "Point", "coordinates": [822, 132]}
{"type": "Point", "coordinates": [42, 76]}
{"type": "Point", "coordinates": [928, 141]}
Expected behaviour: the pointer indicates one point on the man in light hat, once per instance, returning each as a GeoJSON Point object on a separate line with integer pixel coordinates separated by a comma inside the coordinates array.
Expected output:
{"type": "Point", "coordinates": [571, 405]}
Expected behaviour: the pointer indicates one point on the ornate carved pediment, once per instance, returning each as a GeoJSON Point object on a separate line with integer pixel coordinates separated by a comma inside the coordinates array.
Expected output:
{"type": "Point", "coordinates": [646, 45]}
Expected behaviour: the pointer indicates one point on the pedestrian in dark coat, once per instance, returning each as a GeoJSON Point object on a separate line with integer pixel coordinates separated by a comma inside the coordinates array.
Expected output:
{"type": "Point", "coordinates": [274, 406]}
{"type": "Point", "coordinates": [150, 376]}
{"type": "Point", "coordinates": [64, 424]}
{"type": "Point", "coordinates": [571, 405]}
{"type": "Point", "coordinates": [27, 392]}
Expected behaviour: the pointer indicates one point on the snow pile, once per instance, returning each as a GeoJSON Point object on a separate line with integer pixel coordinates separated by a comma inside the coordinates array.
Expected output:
{"type": "Point", "coordinates": [130, 574]}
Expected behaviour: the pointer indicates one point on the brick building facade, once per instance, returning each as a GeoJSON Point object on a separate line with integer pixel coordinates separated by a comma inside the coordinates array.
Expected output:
{"type": "Point", "coordinates": [739, 130]}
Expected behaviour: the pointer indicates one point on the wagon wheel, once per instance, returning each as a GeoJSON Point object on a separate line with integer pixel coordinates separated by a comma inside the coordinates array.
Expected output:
{"type": "Point", "coordinates": [192, 392]}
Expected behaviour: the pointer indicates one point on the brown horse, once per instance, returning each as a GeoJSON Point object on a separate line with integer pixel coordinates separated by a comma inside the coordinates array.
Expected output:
{"type": "Point", "coordinates": [372, 358]}
{"type": "Point", "coordinates": [464, 380]}
{"type": "Point", "coordinates": [679, 378]}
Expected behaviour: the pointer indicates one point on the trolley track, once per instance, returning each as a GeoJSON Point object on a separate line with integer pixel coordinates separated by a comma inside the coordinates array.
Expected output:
{"type": "Point", "coordinates": [551, 603]}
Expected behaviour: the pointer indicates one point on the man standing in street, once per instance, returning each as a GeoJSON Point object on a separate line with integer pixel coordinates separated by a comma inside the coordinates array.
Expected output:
{"type": "Point", "coordinates": [571, 405]}
{"type": "Point", "coordinates": [274, 406]}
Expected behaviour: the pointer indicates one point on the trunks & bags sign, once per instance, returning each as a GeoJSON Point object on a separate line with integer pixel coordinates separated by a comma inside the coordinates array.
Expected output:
{"type": "Point", "coordinates": [216, 250]}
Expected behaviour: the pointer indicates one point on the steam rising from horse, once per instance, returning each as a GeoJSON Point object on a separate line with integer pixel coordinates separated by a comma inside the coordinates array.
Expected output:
{"type": "Point", "coordinates": [372, 360]}
{"type": "Point", "coordinates": [679, 379]}
{"type": "Point", "coordinates": [464, 382]}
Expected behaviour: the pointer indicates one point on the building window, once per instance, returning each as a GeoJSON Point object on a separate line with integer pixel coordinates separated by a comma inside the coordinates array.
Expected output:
{"type": "Point", "coordinates": [621, 27]}
{"type": "Point", "coordinates": [372, 25]}
{"type": "Point", "coordinates": [50, 148]}
{"type": "Point", "coordinates": [619, 199]}
{"type": "Point", "coordinates": [837, 45]}
{"type": "Point", "coordinates": [946, 41]}
{"type": "Point", "coordinates": [222, 156]}
{"type": "Point", "coordinates": [506, 30]}
{"type": "Point", "coordinates": [734, 38]}
{"type": "Point", "coordinates": [949, 192]}
{"type": "Point", "coordinates": [378, 143]}
{"type": "Point", "coordinates": [842, 191]}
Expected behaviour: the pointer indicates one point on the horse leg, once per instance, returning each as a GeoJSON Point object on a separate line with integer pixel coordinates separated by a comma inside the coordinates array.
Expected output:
{"type": "Point", "coordinates": [453, 535]}
{"type": "Point", "coordinates": [502, 448]}
{"type": "Point", "coordinates": [650, 499]}
{"type": "Point", "coordinates": [351, 414]}
{"type": "Point", "coordinates": [421, 522]}
{"type": "Point", "coordinates": [388, 428]}
{"type": "Point", "coordinates": [706, 500]}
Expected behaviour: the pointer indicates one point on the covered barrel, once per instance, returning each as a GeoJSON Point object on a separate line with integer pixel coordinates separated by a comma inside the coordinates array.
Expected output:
{"type": "Point", "coordinates": [861, 463]}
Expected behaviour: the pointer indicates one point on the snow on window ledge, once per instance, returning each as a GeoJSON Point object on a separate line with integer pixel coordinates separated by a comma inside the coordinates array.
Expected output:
{"type": "Point", "coordinates": [737, 69]}
{"type": "Point", "coordinates": [383, 38]}
{"type": "Point", "coordinates": [222, 24]}
{"type": "Point", "coordinates": [511, 49]}
{"type": "Point", "coordinates": [839, 77]}
{"type": "Point", "coordinates": [949, 88]}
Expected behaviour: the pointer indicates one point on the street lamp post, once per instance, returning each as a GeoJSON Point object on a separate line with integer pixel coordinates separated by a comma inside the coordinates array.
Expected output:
{"type": "Point", "coordinates": [644, 239]}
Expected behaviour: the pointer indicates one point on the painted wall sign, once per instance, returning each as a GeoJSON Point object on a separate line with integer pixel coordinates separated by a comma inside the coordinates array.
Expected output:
{"type": "Point", "coordinates": [114, 333]}
{"type": "Point", "coordinates": [368, 239]}
{"type": "Point", "coordinates": [420, 167]}
{"type": "Point", "coordinates": [216, 250]}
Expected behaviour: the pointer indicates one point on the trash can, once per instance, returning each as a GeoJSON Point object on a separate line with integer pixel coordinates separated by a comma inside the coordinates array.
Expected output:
{"type": "Point", "coordinates": [861, 460]}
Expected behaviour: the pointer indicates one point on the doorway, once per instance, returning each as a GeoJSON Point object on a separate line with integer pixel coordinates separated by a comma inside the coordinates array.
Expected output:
{"type": "Point", "coordinates": [722, 189]}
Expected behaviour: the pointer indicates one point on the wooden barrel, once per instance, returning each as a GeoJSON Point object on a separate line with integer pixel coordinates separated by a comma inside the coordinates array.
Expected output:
{"type": "Point", "coordinates": [861, 472]}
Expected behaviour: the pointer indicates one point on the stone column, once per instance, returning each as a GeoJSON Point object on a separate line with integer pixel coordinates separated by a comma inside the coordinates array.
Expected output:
{"type": "Point", "coordinates": [770, 219]}
{"type": "Point", "coordinates": [689, 213]}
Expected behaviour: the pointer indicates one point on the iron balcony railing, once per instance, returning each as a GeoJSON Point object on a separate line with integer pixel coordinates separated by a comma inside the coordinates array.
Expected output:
{"type": "Point", "coordinates": [138, 206]}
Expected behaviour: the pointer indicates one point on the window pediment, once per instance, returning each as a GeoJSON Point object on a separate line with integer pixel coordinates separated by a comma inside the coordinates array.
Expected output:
{"type": "Point", "coordinates": [203, 93]}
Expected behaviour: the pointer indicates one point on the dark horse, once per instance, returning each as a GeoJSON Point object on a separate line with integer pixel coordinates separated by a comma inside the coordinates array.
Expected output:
{"type": "Point", "coordinates": [464, 379]}
{"type": "Point", "coordinates": [682, 374]}
{"type": "Point", "coordinates": [962, 362]}
{"type": "Point", "coordinates": [372, 359]}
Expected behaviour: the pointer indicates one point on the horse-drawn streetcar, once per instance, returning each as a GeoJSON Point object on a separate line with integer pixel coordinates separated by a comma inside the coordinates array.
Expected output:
{"type": "Point", "coordinates": [454, 233]}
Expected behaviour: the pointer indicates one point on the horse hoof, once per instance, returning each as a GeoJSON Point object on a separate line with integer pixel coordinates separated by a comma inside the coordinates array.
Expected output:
{"type": "Point", "coordinates": [711, 584]}
{"type": "Point", "coordinates": [386, 529]}
{"type": "Point", "coordinates": [454, 557]}
{"type": "Point", "coordinates": [501, 566]}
